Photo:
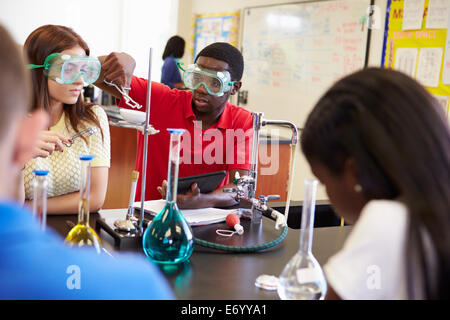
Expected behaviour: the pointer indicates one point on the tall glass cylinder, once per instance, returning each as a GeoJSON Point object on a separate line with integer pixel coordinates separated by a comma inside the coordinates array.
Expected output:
{"type": "Point", "coordinates": [169, 240]}
{"type": "Point", "coordinates": [303, 278]}
{"type": "Point", "coordinates": [82, 234]}
{"type": "Point", "coordinates": [40, 185]}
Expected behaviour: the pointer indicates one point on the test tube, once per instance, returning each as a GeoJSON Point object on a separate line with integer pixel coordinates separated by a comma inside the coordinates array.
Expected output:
{"type": "Point", "coordinates": [40, 185]}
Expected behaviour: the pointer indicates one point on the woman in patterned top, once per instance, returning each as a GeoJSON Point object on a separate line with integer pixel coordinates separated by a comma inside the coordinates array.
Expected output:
{"type": "Point", "coordinates": [62, 99]}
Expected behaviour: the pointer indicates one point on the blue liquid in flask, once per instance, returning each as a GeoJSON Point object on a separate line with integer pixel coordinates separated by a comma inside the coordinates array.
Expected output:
{"type": "Point", "coordinates": [169, 239]}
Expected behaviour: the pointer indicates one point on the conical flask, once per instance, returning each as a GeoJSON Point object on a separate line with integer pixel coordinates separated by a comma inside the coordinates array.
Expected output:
{"type": "Point", "coordinates": [169, 240]}
{"type": "Point", "coordinates": [82, 234]}
{"type": "Point", "coordinates": [303, 277]}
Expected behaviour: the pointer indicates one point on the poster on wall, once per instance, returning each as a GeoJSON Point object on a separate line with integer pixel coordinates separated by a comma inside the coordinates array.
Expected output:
{"type": "Point", "coordinates": [422, 48]}
{"type": "Point", "coordinates": [215, 27]}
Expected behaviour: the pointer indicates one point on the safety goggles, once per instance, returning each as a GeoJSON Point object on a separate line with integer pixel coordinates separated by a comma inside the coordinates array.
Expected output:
{"type": "Point", "coordinates": [65, 68]}
{"type": "Point", "coordinates": [216, 83]}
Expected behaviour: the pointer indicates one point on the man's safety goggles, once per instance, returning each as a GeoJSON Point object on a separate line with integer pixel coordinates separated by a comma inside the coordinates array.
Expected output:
{"type": "Point", "coordinates": [216, 83]}
{"type": "Point", "coordinates": [65, 68]}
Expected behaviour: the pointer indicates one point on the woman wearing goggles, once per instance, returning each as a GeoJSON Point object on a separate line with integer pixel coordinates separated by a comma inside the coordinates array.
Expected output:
{"type": "Point", "coordinates": [61, 67]}
{"type": "Point", "coordinates": [66, 68]}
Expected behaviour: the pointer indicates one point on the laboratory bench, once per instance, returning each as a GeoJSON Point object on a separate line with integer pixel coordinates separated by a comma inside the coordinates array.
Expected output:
{"type": "Point", "coordinates": [219, 275]}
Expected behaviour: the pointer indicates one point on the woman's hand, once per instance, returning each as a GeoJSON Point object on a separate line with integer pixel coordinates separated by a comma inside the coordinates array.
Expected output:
{"type": "Point", "coordinates": [48, 142]}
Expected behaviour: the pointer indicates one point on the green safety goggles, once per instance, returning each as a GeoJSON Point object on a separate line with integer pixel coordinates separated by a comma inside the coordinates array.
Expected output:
{"type": "Point", "coordinates": [216, 83]}
{"type": "Point", "coordinates": [66, 68]}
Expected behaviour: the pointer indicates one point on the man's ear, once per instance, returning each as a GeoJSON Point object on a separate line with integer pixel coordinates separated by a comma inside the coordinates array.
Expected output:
{"type": "Point", "coordinates": [29, 130]}
{"type": "Point", "coordinates": [236, 87]}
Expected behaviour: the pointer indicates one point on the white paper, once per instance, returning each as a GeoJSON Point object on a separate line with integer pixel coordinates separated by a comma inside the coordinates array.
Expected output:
{"type": "Point", "coordinates": [437, 15]}
{"type": "Point", "coordinates": [413, 14]}
{"type": "Point", "coordinates": [429, 67]}
{"type": "Point", "coordinates": [226, 27]}
{"type": "Point", "coordinates": [446, 65]}
{"type": "Point", "coordinates": [195, 217]}
{"type": "Point", "coordinates": [406, 60]}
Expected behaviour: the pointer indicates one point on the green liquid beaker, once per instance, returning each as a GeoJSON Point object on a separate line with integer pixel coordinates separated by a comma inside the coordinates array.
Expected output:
{"type": "Point", "coordinates": [169, 239]}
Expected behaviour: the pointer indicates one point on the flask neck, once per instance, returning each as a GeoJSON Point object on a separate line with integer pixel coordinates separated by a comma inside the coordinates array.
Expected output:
{"type": "Point", "coordinates": [308, 210]}
{"type": "Point", "coordinates": [85, 186]}
{"type": "Point", "coordinates": [306, 232]}
{"type": "Point", "coordinates": [172, 174]}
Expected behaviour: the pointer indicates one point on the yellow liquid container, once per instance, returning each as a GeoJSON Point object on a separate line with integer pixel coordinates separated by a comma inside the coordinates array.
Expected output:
{"type": "Point", "coordinates": [82, 235]}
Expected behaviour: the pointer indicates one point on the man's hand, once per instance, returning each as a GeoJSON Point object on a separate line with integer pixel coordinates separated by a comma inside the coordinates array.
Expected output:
{"type": "Point", "coordinates": [189, 200]}
{"type": "Point", "coordinates": [117, 67]}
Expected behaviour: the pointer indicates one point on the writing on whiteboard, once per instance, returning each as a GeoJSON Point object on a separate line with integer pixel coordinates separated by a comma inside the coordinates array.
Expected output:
{"type": "Point", "coordinates": [302, 48]}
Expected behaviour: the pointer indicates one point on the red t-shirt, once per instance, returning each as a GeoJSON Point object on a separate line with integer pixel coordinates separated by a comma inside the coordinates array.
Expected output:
{"type": "Point", "coordinates": [225, 145]}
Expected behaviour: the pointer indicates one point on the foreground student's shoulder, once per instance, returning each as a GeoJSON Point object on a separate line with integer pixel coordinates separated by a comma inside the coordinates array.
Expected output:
{"type": "Point", "coordinates": [375, 247]}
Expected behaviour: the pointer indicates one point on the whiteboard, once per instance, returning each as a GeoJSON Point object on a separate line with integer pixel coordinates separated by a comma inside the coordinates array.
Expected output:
{"type": "Point", "coordinates": [294, 52]}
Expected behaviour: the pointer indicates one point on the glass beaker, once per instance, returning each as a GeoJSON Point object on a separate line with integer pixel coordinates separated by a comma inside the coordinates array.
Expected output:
{"type": "Point", "coordinates": [82, 234]}
{"type": "Point", "coordinates": [169, 240]}
{"type": "Point", "coordinates": [40, 185]}
{"type": "Point", "coordinates": [303, 277]}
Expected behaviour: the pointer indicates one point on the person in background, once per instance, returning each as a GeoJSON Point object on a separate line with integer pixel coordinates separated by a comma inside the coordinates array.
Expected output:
{"type": "Point", "coordinates": [60, 65]}
{"type": "Point", "coordinates": [36, 264]}
{"type": "Point", "coordinates": [174, 50]}
{"type": "Point", "coordinates": [380, 144]}
{"type": "Point", "coordinates": [218, 133]}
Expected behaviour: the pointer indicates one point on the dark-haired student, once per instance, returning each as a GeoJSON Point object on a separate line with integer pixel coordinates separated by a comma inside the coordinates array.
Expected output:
{"type": "Point", "coordinates": [380, 144]}
{"type": "Point", "coordinates": [218, 133]}
{"type": "Point", "coordinates": [173, 52]}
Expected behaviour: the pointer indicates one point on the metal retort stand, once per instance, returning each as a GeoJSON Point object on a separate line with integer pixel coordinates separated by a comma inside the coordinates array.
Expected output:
{"type": "Point", "coordinates": [246, 185]}
{"type": "Point", "coordinates": [115, 119]}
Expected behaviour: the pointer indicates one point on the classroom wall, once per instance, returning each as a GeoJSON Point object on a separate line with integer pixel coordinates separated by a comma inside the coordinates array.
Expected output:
{"type": "Point", "coordinates": [106, 25]}
{"type": "Point", "coordinates": [187, 10]}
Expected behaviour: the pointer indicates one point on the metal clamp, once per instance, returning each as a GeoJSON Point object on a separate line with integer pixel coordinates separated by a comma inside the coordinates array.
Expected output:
{"type": "Point", "coordinates": [261, 203]}
{"type": "Point", "coordinates": [130, 102]}
{"type": "Point", "coordinates": [89, 131]}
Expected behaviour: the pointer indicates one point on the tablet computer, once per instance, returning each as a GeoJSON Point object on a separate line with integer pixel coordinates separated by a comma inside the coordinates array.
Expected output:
{"type": "Point", "coordinates": [207, 182]}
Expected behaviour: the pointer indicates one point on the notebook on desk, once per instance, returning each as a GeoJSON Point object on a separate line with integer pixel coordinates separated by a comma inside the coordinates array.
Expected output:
{"type": "Point", "coordinates": [195, 217]}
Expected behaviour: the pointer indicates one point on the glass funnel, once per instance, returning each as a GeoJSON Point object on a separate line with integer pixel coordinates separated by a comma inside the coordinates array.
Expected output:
{"type": "Point", "coordinates": [303, 277]}
{"type": "Point", "coordinates": [169, 240]}
{"type": "Point", "coordinates": [82, 234]}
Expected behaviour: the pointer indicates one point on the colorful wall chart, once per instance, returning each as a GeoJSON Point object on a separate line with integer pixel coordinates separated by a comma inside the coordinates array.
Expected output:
{"type": "Point", "coordinates": [215, 27]}
{"type": "Point", "coordinates": [417, 42]}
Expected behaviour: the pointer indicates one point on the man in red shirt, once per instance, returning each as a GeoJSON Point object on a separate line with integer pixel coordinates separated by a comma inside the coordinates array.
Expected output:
{"type": "Point", "coordinates": [218, 134]}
